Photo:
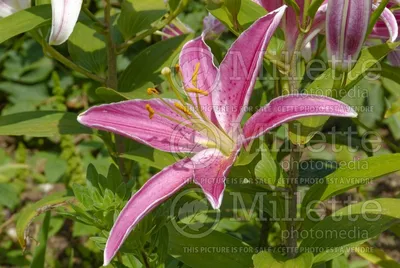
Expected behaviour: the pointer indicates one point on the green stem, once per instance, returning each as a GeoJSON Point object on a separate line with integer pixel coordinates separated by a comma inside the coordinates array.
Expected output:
{"type": "Point", "coordinates": [295, 156]}
{"type": "Point", "coordinates": [112, 80]}
{"type": "Point", "coordinates": [59, 57]}
{"type": "Point", "coordinates": [92, 16]}
{"type": "Point", "coordinates": [337, 84]}
{"type": "Point", "coordinates": [124, 46]}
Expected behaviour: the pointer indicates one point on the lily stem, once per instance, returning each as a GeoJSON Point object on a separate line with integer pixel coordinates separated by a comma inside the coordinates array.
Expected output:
{"type": "Point", "coordinates": [123, 47]}
{"type": "Point", "coordinates": [112, 80]}
{"type": "Point", "coordinates": [50, 51]}
{"type": "Point", "coordinates": [295, 156]}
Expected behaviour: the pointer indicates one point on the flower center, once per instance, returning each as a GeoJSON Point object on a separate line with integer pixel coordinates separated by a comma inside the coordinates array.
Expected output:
{"type": "Point", "coordinates": [211, 135]}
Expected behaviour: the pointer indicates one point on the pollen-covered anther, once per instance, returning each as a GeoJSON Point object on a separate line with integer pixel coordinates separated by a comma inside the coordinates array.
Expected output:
{"type": "Point", "coordinates": [152, 91]}
{"type": "Point", "coordinates": [150, 110]}
{"type": "Point", "coordinates": [177, 68]}
{"type": "Point", "coordinates": [196, 74]}
{"type": "Point", "coordinates": [197, 91]}
{"type": "Point", "coordinates": [182, 108]}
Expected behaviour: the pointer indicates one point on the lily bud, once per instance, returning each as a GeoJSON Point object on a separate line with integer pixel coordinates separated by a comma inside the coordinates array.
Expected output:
{"type": "Point", "coordinates": [9, 7]}
{"type": "Point", "coordinates": [212, 27]}
{"type": "Point", "coordinates": [65, 15]}
{"type": "Point", "coordinates": [346, 27]}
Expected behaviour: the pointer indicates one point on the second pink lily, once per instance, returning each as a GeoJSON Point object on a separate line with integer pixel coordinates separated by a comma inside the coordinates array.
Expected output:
{"type": "Point", "coordinates": [207, 123]}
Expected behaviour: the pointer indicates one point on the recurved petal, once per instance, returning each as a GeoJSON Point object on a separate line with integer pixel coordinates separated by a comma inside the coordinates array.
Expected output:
{"type": "Point", "coordinates": [198, 71]}
{"type": "Point", "coordinates": [239, 69]}
{"type": "Point", "coordinates": [291, 107]}
{"type": "Point", "coordinates": [154, 192]}
{"type": "Point", "coordinates": [387, 27]}
{"type": "Point", "coordinates": [8, 7]}
{"type": "Point", "coordinates": [64, 17]}
{"type": "Point", "coordinates": [347, 25]}
{"type": "Point", "coordinates": [318, 25]}
{"type": "Point", "coordinates": [131, 119]}
{"type": "Point", "coordinates": [210, 170]}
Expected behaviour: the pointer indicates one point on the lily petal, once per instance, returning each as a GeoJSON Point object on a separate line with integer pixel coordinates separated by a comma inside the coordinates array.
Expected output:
{"type": "Point", "coordinates": [155, 191]}
{"type": "Point", "coordinates": [291, 107]}
{"type": "Point", "coordinates": [210, 170]}
{"type": "Point", "coordinates": [196, 58]}
{"type": "Point", "coordinates": [64, 17]}
{"type": "Point", "coordinates": [387, 27]}
{"type": "Point", "coordinates": [131, 119]}
{"type": "Point", "coordinates": [9, 7]}
{"type": "Point", "coordinates": [347, 25]}
{"type": "Point", "coordinates": [239, 69]}
{"type": "Point", "coordinates": [318, 25]}
{"type": "Point", "coordinates": [269, 5]}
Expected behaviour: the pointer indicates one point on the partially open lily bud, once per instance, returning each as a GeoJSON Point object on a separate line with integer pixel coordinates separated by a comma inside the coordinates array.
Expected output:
{"type": "Point", "coordinates": [346, 27]}
{"type": "Point", "coordinates": [9, 7]}
{"type": "Point", "coordinates": [212, 27]}
{"type": "Point", "coordinates": [64, 17]}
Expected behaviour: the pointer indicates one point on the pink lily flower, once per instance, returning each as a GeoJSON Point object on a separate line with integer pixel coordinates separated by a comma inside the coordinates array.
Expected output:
{"type": "Point", "coordinates": [207, 124]}
{"type": "Point", "coordinates": [65, 14]}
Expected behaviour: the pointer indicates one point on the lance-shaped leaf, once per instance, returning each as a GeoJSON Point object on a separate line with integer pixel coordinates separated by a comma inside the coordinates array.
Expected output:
{"type": "Point", "coordinates": [346, 27]}
{"type": "Point", "coordinates": [65, 16]}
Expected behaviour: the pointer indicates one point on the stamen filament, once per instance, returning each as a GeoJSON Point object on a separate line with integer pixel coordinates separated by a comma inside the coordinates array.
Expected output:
{"type": "Point", "coordinates": [167, 73]}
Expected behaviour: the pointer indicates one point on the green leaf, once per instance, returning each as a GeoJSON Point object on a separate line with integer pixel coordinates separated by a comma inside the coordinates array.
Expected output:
{"type": "Point", "coordinates": [188, 250]}
{"type": "Point", "coordinates": [268, 170]}
{"type": "Point", "coordinates": [146, 67]}
{"type": "Point", "coordinates": [248, 14]}
{"type": "Point", "coordinates": [109, 95]}
{"type": "Point", "coordinates": [27, 215]}
{"type": "Point", "coordinates": [138, 15]}
{"type": "Point", "coordinates": [268, 259]}
{"type": "Point", "coordinates": [350, 227]}
{"type": "Point", "coordinates": [24, 21]}
{"type": "Point", "coordinates": [8, 196]}
{"type": "Point", "coordinates": [149, 156]}
{"type": "Point", "coordinates": [377, 256]}
{"type": "Point", "coordinates": [88, 48]}
{"type": "Point", "coordinates": [348, 177]}
{"type": "Point", "coordinates": [323, 85]}
{"type": "Point", "coordinates": [41, 124]}
{"type": "Point", "coordinates": [40, 252]}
